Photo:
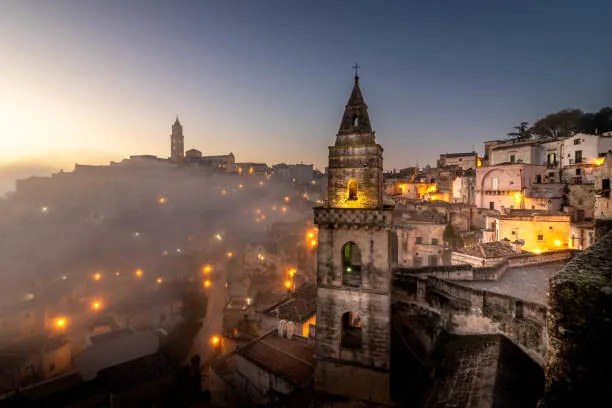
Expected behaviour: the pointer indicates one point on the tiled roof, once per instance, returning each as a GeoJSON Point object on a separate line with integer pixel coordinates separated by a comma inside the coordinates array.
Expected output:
{"type": "Point", "coordinates": [495, 249]}
{"type": "Point", "coordinates": [299, 307]}
{"type": "Point", "coordinates": [289, 359]}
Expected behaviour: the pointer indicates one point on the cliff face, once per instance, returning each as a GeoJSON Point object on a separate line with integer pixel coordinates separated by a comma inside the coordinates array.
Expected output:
{"type": "Point", "coordinates": [578, 372]}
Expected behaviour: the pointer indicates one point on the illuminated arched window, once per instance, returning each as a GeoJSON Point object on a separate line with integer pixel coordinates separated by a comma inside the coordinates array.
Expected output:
{"type": "Point", "coordinates": [350, 335]}
{"type": "Point", "coordinates": [352, 190]}
{"type": "Point", "coordinates": [356, 121]}
{"type": "Point", "coordinates": [351, 265]}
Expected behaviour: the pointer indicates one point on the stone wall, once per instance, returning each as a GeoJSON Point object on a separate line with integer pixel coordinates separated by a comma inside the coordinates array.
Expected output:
{"type": "Point", "coordinates": [362, 163]}
{"type": "Point", "coordinates": [476, 311]}
{"type": "Point", "coordinates": [582, 197]}
{"type": "Point", "coordinates": [580, 328]}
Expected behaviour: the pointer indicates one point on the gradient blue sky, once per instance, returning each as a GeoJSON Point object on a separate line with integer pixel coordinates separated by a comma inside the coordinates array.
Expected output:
{"type": "Point", "coordinates": [89, 81]}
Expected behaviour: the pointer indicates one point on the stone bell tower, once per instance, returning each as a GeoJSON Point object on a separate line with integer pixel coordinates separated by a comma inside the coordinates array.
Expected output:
{"type": "Point", "coordinates": [177, 147]}
{"type": "Point", "coordinates": [353, 332]}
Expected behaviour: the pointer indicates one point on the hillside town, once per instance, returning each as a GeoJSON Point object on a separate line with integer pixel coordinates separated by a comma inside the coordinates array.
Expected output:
{"type": "Point", "coordinates": [205, 280]}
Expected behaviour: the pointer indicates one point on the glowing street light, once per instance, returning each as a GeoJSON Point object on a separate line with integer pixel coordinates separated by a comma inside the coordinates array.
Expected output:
{"type": "Point", "coordinates": [558, 242]}
{"type": "Point", "coordinates": [161, 200]}
{"type": "Point", "coordinates": [287, 199]}
{"type": "Point", "coordinates": [44, 210]}
{"type": "Point", "coordinates": [288, 284]}
{"type": "Point", "coordinates": [139, 273]}
{"type": "Point", "coordinates": [218, 237]}
{"type": "Point", "coordinates": [229, 254]}
{"type": "Point", "coordinates": [96, 305]}
{"type": "Point", "coordinates": [159, 280]}
{"type": "Point", "coordinates": [207, 283]}
{"type": "Point", "coordinates": [97, 276]}
{"type": "Point", "coordinates": [60, 322]}
{"type": "Point", "coordinates": [215, 340]}
{"type": "Point", "coordinates": [207, 269]}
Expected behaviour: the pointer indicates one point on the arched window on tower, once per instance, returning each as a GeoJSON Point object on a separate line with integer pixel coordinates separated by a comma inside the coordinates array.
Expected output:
{"type": "Point", "coordinates": [350, 335]}
{"type": "Point", "coordinates": [351, 265]}
{"type": "Point", "coordinates": [352, 190]}
{"type": "Point", "coordinates": [355, 121]}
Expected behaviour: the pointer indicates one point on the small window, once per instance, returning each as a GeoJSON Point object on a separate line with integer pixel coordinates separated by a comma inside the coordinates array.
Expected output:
{"type": "Point", "coordinates": [494, 183]}
{"type": "Point", "coordinates": [433, 260]}
{"type": "Point", "coordinates": [576, 141]}
{"type": "Point", "coordinates": [538, 179]}
{"type": "Point", "coordinates": [418, 261]}
{"type": "Point", "coordinates": [512, 158]}
{"type": "Point", "coordinates": [351, 265]}
{"type": "Point", "coordinates": [540, 237]}
{"type": "Point", "coordinates": [578, 172]}
{"type": "Point", "coordinates": [491, 205]}
{"type": "Point", "coordinates": [352, 190]}
{"type": "Point", "coordinates": [356, 121]}
{"type": "Point", "coordinates": [578, 156]}
{"type": "Point", "coordinates": [434, 241]}
{"type": "Point", "coordinates": [350, 335]}
{"type": "Point", "coordinates": [419, 240]}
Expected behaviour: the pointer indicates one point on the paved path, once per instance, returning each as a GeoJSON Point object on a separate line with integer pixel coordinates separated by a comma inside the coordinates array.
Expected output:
{"type": "Point", "coordinates": [528, 282]}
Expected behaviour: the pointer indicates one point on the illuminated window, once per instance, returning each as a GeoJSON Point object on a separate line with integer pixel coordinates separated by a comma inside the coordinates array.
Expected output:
{"type": "Point", "coordinates": [356, 121]}
{"type": "Point", "coordinates": [351, 331]}
{"type": "Point", "coordinates": [351, 265]}
{"type": "Point", "coordinates": [352, 190]}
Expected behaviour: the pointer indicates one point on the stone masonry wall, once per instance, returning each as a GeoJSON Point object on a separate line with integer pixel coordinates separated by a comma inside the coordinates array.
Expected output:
{"type": "Point", "coordinates": [362, 163]}
{"type": "Point", "coordinates": [469, 310]}
{"type": "Point", "coordinates": [580, 328]}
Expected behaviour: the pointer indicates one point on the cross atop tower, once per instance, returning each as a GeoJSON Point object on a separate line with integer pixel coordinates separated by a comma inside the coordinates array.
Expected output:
{"type": "Point", "coordinates": [356, 68]}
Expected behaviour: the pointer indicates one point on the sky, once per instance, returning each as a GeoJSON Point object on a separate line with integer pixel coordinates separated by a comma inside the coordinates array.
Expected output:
{"type": "Point", "coordinates": [92, 81]}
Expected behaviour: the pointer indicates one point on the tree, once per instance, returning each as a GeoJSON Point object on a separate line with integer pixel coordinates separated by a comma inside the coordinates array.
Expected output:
{"type": "Point", "coordinates": [564, 123]}
{"type": "Point", "coordinates": [521, 132]}
{"type": "Point", "coordinates": [602, 120]}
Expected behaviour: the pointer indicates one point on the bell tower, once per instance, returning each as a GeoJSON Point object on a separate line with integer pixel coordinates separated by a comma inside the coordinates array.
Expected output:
{"type": "Point", "coordinates": [177, 148]}
{"type": "Point", "coordinates": [353, 333]}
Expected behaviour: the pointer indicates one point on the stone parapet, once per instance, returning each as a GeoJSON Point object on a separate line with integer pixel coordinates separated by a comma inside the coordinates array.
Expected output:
{"type": "Point", "coordinates": [353, 217]}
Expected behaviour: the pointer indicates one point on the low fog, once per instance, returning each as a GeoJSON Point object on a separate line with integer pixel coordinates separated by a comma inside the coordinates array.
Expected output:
{"type": "Point", "coordinates": [122, 231]}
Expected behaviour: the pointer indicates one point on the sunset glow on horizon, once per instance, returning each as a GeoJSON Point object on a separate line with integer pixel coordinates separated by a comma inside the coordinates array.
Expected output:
{"type": "Point", "coordinates": [93, 82]}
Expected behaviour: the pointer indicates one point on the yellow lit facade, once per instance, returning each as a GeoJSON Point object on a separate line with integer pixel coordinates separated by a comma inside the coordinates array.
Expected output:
{"type": "Point", "coordinates": [307, 323]}
{"type": "Point", "coordinates": [541, 233]}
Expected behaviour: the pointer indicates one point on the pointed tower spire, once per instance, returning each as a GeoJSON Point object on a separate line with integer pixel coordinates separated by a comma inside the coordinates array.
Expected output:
{"type": "Point", "coordinates": [355, 119]}
{"type": "Point", "coordinates": [177, 141]}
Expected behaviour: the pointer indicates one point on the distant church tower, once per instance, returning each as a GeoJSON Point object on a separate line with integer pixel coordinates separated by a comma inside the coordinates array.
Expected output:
{"type": "Point", "coordinates": [177, 148]}
{"type": "Point", "coordinates": [353, 332]}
